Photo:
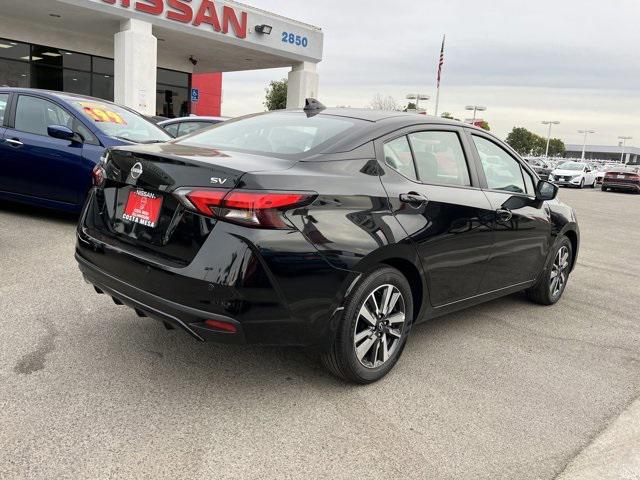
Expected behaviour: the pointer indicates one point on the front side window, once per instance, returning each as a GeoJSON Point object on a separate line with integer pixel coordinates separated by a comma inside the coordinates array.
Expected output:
{"type": "Point", "coordinates": [397, 154]}
{"type": "Point", "coordinates": [502, 171]}
{"type": "Point", "coordinates": [278, 133]}
{"type": "Point", "coordinates": [440, 158]}
{"type": "Point", "coordinates": [35, 115]}
{"type": "Point", "coordinates": [118, 122]}
{"type": "Point", "coordinates": [4, 99]}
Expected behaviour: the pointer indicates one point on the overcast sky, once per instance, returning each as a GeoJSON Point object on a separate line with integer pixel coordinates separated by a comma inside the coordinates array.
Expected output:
{"type": "Point", "coordinates": [576, 61]}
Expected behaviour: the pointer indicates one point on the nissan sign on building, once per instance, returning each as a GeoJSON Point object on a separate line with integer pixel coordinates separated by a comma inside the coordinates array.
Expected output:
{"type": "Point", "coordinates": [151, 54]}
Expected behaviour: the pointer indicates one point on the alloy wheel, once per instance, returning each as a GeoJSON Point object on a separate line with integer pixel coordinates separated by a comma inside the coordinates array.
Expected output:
{"type": "Point", "coordinates": [559, 271]}
{"type": "Point", "coordinates": [380, 326]}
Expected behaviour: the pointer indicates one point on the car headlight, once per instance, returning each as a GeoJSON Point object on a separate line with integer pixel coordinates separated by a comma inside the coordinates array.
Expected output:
{"type": "Point", "coordinates": [551, 178]}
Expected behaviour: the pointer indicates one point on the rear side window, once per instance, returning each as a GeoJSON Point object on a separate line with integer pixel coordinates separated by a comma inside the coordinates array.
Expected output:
{"type": "Point", "coordinates": [397, 154]}
{"type": "Point", "coordinates": [172, 129]}
{"type": "Point", "coordinates": [440, 158]}
{"type": "Point", "coordinates": [502, 171]}
{"type": "Point", "coordinates": [191, 127]}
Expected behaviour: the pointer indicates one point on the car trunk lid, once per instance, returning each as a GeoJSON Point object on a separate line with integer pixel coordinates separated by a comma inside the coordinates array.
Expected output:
{"type": "Point", "coordinates": [137, 207]}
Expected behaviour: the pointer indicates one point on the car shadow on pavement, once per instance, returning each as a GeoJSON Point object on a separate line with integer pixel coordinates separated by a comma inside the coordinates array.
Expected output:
{"type": "Point", "coordinates": [175, 355]}
{"type": "Point", "coordinates": [8, 207]}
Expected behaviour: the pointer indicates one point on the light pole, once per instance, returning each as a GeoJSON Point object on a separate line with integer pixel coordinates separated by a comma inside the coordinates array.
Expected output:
{"type": "Point", "coordinates": [417, 97]}
{"type": "Point", "coordinates": [549, 122]}
{"type": "Point", "coordinates": [475, 108]}
{"type": "Point", "coordinates": [624, 144]}
{"type": "Point", "coordinates": [584, 142]}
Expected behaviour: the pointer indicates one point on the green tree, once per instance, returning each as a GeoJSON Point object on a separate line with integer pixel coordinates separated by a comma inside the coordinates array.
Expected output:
{"type": "Point", "coordinates": [556, 148]}
{"type": "Point", "coordinates": [448, 116]}
{"type": "Point", "coordinates": [484, 125]}
{"type": "Point", "coordinates": [528, 143]}
{"type": "Point", "coordinates": [410, 106]}
{"type": "Point", "coordinates": [276, 97]}
{"type": "Point", "coordinates": [522, 140]}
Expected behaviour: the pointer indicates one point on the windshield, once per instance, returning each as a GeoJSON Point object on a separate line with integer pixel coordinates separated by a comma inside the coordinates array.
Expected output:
{"type": "Point", "coordinates": [120, 123]}
{"type": "Point", "coordinates": [570, 166]}
{"type": "Point", "coordinates": [286, 133]}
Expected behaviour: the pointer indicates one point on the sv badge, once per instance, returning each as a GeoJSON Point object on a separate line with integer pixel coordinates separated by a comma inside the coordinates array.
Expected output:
{"type": "Point", "coordinates": [218, 181]}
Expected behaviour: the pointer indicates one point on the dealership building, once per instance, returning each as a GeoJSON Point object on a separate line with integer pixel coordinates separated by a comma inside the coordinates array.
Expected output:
{"type": "Point", "coordinates": [159, 57]}
{"type": "Point", "coordinates": [627, 153]}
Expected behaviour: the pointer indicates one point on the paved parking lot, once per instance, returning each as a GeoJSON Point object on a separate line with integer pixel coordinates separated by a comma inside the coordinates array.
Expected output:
{"type": "Point", "coordinates": [506, 390]}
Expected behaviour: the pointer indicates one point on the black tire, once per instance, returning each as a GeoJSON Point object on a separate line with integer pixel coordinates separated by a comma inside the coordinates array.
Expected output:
{"type": "Point", "coordinates": [604, 189]}
{"type": "Point", "coordinates": [581, 184]}
{"type": "Point", "coordinates": [543, 292]}
{"type": "Point", "coordinates": [342, 359]}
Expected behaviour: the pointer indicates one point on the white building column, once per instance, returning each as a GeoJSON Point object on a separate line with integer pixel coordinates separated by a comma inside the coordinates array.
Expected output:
{"type": "Point", "coordinates": [302, 84]}
{"type": "Point", "coordinates": [135, 66]}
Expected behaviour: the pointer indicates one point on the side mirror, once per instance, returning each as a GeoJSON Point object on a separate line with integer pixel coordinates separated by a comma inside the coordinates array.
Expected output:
{"type": "Point", "coordinates": [546, 191]}
{"type": "Point", "coordinates": [62, 132]}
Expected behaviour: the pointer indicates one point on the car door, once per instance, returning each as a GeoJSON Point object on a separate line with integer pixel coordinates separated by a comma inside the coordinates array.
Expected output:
{"type": "Point", "coordinates": [437, 199]}
{"type": "Point", "coordinates": [521, 224]}
{"type": "Point", "coordinates": [35, 164]}
{"type": "Point", "coordinates": [4, 117]}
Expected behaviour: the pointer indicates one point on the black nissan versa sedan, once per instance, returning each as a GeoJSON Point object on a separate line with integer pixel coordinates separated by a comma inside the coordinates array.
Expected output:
{"type": "Point", "coordinates": [335, 229]}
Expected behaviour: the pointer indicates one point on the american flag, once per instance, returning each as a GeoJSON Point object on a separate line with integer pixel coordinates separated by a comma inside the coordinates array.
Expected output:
{"type": "Point", "coordinates": [441, 63]}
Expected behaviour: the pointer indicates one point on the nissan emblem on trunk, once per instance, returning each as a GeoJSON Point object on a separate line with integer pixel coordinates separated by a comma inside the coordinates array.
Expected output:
{"type": "Point", "coordinates": [136, 171]}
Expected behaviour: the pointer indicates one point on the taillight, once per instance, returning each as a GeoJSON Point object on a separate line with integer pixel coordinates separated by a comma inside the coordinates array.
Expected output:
{"type": "Point", "coordinates": [98, 175]}
{"type": "Point", "coordinates": [261, 209]}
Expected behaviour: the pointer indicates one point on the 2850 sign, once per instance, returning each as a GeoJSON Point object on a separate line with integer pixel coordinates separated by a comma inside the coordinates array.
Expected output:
{"type": "Point", "coordinates": [293, 39]}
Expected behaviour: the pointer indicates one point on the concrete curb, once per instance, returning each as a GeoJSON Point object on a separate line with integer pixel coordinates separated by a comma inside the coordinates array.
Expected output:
{"type": "Point", "coordinates": [614, 454]}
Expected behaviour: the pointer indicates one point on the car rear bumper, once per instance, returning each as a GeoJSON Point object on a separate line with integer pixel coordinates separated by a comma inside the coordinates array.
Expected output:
{"type": "Point", "coordinates": [271, 285]}
{"type": "Point", "coordinates": [148, 305]}
{"type": "Point", "coordinates": [622, 186]}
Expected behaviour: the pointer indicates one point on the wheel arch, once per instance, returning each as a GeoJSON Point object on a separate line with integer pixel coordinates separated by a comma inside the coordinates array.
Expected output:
{"type": "Point", "coordinates": [572, 235]}
{"type": "Point", "coordinates": [404, 259]}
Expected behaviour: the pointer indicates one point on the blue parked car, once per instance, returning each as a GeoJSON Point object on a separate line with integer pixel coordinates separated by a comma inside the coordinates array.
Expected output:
{"type": "Point", "coordinates": [50, 143]}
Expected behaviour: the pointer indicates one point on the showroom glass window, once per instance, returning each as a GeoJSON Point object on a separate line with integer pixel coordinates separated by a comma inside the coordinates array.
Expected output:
{"type": "Point", "coordinates": [172, 95]}
{"type": "Point", "coordinates": [503, 172]}
{"type": "Point", "coordinates": [38, 66]}
{"type": "Point", "coordinates": [14, 64]}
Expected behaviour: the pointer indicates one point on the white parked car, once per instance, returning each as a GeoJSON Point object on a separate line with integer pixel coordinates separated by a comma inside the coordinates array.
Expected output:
{"type": "Point", "coordinates": [573, 174]}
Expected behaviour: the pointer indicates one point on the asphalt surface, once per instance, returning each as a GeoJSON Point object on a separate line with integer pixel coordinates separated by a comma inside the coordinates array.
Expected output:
{"type": "Point", "coordinates": [505, 390]}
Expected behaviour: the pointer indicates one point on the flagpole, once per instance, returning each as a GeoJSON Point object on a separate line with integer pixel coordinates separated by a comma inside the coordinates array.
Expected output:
{"type": "Point", "coordinates": [440, 63]}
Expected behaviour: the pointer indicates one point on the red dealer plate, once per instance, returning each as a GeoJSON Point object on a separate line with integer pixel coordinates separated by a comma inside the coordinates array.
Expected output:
{"type": "Point", "coordinates": [143, 208]}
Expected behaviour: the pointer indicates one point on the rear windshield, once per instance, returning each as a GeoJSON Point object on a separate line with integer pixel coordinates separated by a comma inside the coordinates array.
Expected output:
{"type": "Point", "coordinates": [118, 122]}
{"type": "Point", "coordinates": [278, 133]}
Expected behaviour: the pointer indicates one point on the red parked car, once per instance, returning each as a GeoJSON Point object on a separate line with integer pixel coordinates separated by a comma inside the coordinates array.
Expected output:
{"type": "Point", "coordinates": [622, 178]}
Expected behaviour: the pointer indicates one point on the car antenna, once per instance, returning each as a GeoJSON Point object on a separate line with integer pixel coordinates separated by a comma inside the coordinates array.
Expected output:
{"type": "Point", "coordinates": [312, 107]}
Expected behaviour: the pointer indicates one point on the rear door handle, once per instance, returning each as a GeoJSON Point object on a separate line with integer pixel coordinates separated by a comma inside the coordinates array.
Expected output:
{"type": "Point", "coordinates": [504, 215]}
{"type": "Point", "coordinates": [14, 142]}
{"type": "Point", "coordinates": [413, 199]}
